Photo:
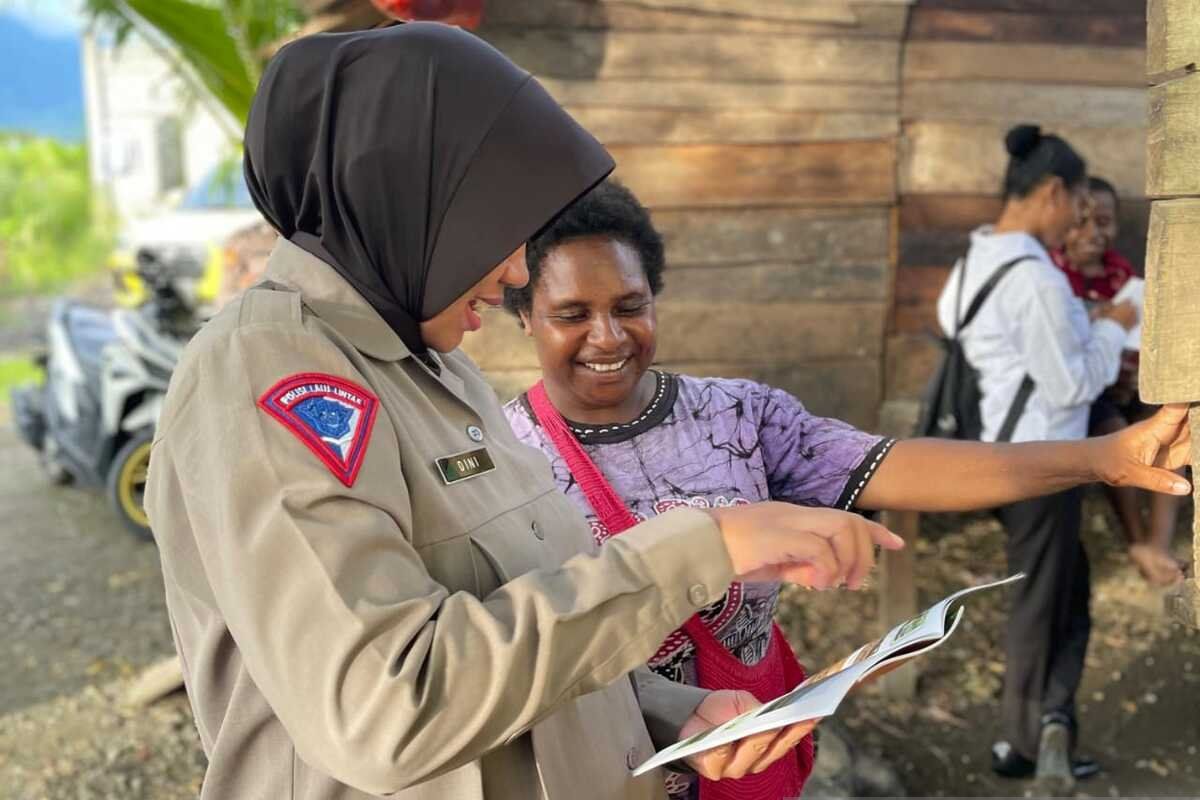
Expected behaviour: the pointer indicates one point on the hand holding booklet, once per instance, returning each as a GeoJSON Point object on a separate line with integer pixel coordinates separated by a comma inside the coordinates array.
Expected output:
{"type": "Point", "coordinates": [1134, 291]}
{"type": "Point", "coordinates": [821, 694]}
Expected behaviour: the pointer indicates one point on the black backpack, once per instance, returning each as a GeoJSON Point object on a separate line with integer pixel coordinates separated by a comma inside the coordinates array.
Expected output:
{"type": "Point", "coordinates": [950, 406]}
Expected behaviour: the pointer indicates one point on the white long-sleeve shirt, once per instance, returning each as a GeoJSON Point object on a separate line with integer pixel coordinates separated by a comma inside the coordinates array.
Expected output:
{"type": "Point", "coordinates": [1031, 324]}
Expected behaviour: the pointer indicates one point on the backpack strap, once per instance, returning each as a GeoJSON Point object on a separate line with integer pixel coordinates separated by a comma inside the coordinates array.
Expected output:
{"type": "Point", "coordinates": [1016, 409]}
{"type": "Point", "coordinates": [984, 291]}
{"type": "Point", "coordinates": [1027, 385]}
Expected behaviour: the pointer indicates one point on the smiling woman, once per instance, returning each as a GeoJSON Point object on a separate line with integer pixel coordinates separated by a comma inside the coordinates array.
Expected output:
{"type": "Point", "coordinates": [659, 441]}
{"type": "Point", "coordinates": [628, 442]}
{"type": "Point", "coordinates": [423, 614]}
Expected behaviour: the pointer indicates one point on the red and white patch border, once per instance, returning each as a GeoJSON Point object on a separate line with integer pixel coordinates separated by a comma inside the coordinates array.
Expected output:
{"type": "Point", "coordinates": [276, 402]}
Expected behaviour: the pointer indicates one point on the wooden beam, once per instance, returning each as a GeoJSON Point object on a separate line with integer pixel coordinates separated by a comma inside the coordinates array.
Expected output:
{"type": "Point", "coordinates": [1036, 63]}
{"type": "Point", "coordinates": [1171, 321]}
{"type": "Point", "coordinates": [723, 94]}
{"type": "Point", "coordinates": [811, 174]}
{"type": "Point", "coordinates": [779, 282]}
{"type": "Point", "coordinates": [848, 390]}
{"type": "Point", "coordinates": [897, 590]}
{"type": "Point", "coordinates": [947, 212]}
{"type": "Point", "coordinates": [1009, 103]}
{"type": "Point", "coordinates": [776, 10]}
{"type": "Point", "coordinates": [1173, 35]}
{"type": "Point", "coordinates": [898, 596]}
{"type": "Point", "coordinates": [732, 126]}
{"type": "Point", "coordinates": [1072, 27]}
{"type": "Point", "coordinates": [601, 55]}
{"type": "Point", "coordinates": [916, 294]}
{"type": "Point", "coordinates": [1182, 602]}
{"type": "Point", "coordinates": [751, 333]}
{"type": "Point", "coordinates": [834, 237]}
{"type": "Point", "coordinates": [1173, 139]}
{"type": "Point", "coordinates": [1040, 6]}
{"type": "Point", "coordinates": [969, 158]}
{"type": "Point", "coordinates": [909, 362]}
{"type": "Point", "coordinates": [868, 20]}
{"type": "Point", "coordinates": [1170, 347]}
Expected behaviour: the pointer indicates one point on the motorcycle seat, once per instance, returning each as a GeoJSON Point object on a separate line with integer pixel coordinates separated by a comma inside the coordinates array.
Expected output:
{"type": "Point", "coordinates": [89, 330]}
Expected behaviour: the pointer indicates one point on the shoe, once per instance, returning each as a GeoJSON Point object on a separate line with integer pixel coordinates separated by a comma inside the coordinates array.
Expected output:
{"type": "Point", "coordinates": [1053, 776]}
{"type": "Point", "coordinates": [1008, 763]}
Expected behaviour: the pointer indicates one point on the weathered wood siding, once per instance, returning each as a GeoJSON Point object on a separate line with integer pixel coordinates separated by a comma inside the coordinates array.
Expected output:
{"type": "Point", "coordinates": [1171, 336]}
{"type": "Point", "coordinates": [971, 69]}
{"type": "Point", "coordinates": [816, 165]}
{"type": "Point", "coordinates": [763, 136]}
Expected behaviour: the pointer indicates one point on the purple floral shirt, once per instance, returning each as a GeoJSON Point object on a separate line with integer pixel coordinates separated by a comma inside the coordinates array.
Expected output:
{"type": "Point", "coordinates": [712, 443]}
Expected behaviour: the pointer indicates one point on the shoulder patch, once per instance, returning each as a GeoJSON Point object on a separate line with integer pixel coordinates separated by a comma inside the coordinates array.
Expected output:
{"type": "Point", "coordinates": [332, 416]}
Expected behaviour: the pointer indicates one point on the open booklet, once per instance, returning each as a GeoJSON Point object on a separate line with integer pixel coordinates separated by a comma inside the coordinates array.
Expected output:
{"type": "Point", "coordinates": [820, 694]}
{"type": "Point", "coordinates": [1134, 291]}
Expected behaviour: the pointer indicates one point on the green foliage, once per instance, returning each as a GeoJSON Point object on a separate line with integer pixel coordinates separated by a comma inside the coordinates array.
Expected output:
{"type": "Point", "coordinates": [51, 229]}
{"type": "Point", "coordinates": [15, 371]}
{"type": "Point", "coordinates": [221, 44]}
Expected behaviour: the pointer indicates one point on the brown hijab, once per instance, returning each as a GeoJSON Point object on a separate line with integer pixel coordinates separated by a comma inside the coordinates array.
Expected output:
{"type": "Point", "coordinates": [412, 159]}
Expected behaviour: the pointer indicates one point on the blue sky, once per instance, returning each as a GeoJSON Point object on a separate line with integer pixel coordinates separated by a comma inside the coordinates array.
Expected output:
{"type": "Point", "coordinates": [41, 79]}
{"type": "Point", "coordinates": [51, 16]}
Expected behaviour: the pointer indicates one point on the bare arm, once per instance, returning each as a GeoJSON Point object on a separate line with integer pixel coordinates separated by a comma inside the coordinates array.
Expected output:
{"type": "Point", "coordinates": [940, 475]}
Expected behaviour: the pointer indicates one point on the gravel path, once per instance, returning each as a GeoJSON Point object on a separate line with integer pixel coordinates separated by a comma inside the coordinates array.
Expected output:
{"type": "Point", "coordinates": [81, 603]}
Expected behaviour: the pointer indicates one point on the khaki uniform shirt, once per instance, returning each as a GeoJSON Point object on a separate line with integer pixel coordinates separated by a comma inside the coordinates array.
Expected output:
{"type": "Point", "coordinates": [349, 633]}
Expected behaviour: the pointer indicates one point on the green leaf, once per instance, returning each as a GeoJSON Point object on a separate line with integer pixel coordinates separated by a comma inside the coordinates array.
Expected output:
{"type": "Point", "coordinates": [204, 41]}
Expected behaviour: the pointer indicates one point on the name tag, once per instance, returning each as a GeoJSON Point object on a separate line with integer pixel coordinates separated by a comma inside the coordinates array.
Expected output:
{"type": "Point", "coordinates": [461, 466]}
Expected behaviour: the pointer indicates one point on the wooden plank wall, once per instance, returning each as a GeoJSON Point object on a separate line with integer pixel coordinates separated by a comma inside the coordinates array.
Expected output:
{"type": "Point", "coordinates": [763, 136]}
{"type": "Point", "coordinates": [816, 165]}
{"type": "Point", "coordinates": [971, 69]}
{"type": "Point", "coordinates": [1171, 336]}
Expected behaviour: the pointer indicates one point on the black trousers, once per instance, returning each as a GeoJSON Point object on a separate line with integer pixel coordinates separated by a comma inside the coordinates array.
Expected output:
{"type": "Point", "coordinates": [1050, 621]}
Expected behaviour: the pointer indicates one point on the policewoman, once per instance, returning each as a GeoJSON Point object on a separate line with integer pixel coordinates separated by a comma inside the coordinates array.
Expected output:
{"type": "Point", "coordinates": [373, 588]}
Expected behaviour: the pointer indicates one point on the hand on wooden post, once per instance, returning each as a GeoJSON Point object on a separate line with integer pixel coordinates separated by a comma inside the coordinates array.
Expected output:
{"type": "Point", "coordinates": [1146, 454]}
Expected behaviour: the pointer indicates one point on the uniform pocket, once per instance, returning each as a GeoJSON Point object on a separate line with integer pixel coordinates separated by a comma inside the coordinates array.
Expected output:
{"type": "Point", "coordinates": [540, 534]}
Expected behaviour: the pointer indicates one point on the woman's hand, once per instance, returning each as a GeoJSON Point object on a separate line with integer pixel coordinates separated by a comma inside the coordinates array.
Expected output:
{"type": "Point", "coordinates": [1124, 314]}
{"type": "Point", "coordinates": [1144, 454]}
{"type": "Point", "coordinates": [745, 756]}
{"type": "Point", "coordinates": [816, 547]}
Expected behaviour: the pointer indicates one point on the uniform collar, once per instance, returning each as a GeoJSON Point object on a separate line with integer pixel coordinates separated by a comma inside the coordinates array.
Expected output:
{"type": "Point", "coordinates": [331, 298]}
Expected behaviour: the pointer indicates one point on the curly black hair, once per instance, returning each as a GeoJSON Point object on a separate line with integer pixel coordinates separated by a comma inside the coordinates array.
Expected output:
{"type": "Point", "coordinates": [1098, 184]}
{"type": "Point", "coordinates": [609, 210]}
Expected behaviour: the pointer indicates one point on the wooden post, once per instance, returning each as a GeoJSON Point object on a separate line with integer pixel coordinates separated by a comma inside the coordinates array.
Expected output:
{"type": "Point", "coordinates": [1171, 333]}
{"type": "Point", "coordinates": [898, 596]}
{"type": "Point", "coordinates": [897, 569]}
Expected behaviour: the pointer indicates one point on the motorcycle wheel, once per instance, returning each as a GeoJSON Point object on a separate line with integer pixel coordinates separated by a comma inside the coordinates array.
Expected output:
{"type": "Point", "coordinates": [126, 484]}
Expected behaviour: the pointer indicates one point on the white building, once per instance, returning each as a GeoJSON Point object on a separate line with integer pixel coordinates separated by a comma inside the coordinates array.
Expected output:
{"type": "Point", "coordinates": [148, 136]}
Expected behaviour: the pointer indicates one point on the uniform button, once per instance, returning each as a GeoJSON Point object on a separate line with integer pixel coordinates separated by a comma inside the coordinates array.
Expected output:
{"type": "Point", "coordinates": [631, 758]}
{"type": "Point", "coordinates": [537, 531]}
{"type": "Point", "coordinates": [475, 433]}
{"type": "Point", "coordinates": [698, 594]}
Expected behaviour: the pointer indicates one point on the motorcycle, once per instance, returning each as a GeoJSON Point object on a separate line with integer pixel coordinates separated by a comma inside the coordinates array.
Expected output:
{"type": "Point", "coordinates": [106, 371]}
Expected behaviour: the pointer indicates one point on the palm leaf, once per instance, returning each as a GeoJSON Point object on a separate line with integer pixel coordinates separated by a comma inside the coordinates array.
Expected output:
{"type": "Point", "coordinates": [203, 40]}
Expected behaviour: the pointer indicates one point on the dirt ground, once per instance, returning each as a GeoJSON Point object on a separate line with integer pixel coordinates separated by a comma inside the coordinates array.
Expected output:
{"type": "Point", "coordinates": [81, 605]}
{"type": "Point", "coordinates": [1137, 704]}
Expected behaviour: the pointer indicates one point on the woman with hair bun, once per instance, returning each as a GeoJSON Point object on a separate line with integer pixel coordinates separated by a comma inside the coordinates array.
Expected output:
{"type": "Point", "coordinates": [1042, 362]}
